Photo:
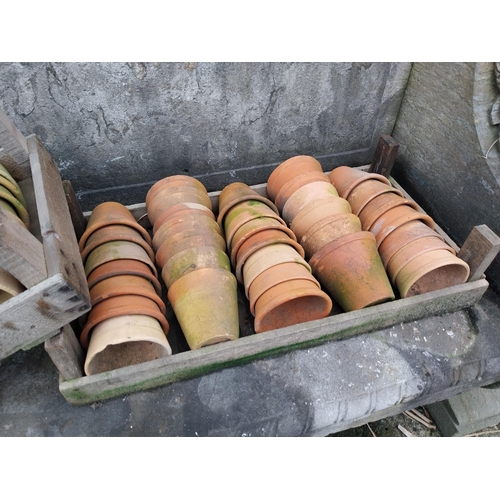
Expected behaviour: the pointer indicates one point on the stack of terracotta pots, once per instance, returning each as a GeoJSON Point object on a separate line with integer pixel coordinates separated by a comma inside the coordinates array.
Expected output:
{"type": "Point", "coordinates": [268, 261]}
{"type": "Point", "coordinates": [416, 257]}
{"type": "Point", "coordinates": [190, 251]}
{"type": "Point", "coordinates": [127, 323]}
{"type": "Point", "coordinates": [11, 197]}
{"type": "Point", "coordinates": [342, 256]}
{"type": "Point", "coordinates": [9, 286]}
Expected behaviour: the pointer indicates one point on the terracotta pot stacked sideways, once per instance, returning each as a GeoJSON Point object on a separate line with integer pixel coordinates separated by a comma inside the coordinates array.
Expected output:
{"type": "Point", "coordinates": [127, 323]}
{"type": "Point", "coordinates": [12, 198]}
{"type": "Point", "coordinates": [416, 257]}
{"type": "Point", "coordinates": [9, 286]}
{"type": "Point", "coordinates": [342, 256]}
{"type": "Point", "coordinates": [190, 251]}
{"type": "Point", "coordinates": [268, 261]}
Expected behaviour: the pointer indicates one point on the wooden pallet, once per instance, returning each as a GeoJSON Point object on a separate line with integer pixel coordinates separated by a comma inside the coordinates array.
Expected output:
{"type": "Point", "coordinates": [79, 389]}
{"type": "Point", "coordinates": [45, 259]}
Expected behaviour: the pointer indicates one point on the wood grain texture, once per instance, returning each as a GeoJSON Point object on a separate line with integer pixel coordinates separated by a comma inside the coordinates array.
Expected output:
{"type": "Point", "coordinates": [14, 150]}
{"type": "Point", "coordinates": [385, 156]}
{"type": "Point", "coordinates": [75, 210]}
{"type": "Point", "coordinates": [66, 353]}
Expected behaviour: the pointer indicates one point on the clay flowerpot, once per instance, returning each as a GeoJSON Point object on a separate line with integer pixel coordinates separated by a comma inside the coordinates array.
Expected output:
{"type": "Point", "coordinates": [14, 189]}
{"type": "Point", "coordinates": [290, 303]}
{"type": "Point", "coordinates": [115, 232]}
{"type": "Point", "coordinates": [408, 252]}
{"type": "Point", "coordinates": [238, 192]}
{"type": "Point", "coordinates": [275, 275]}
{"type": "Point", "coordinates": [124, 341]}
{"type": "Point", "coordinates": [289, 169]}
{"type": "Point", "coordinates": [431, 271]}
{"type": "Point", "coordinates": [178, 225]}
{"type": "Point", "coordinates": [165, 200]}
{"type": "Point", "coordinates": [306, 195]}
{"type": "Point", "coordinates": [243, 213]}
{"type": "Point", "coordinates": [375, 208]}
{"type": "Point", "coordinates": [206, 306]}
{"type": "Point", "coordinates": [202, 238]}
{"type": "Point", "coordinates": [402, 236]}
{"type": "Point", "coordinates": [128, 267]}
{"type": "Point", "coordinates": [181, 209]}
{"type": "Point", "coordinates": [10, 209]}
{"type": "Point", "coordinates": [269, 256]}
{"type": "Point", "coordinates": [329, 229]}
{"type": "Point", "coordinates": [296, 183]}
{"type": "Point", "coordinates": [172, 182]}
{"type": "Point", "coordinates": [22, 213]}
{"type": "Point", "coordinates": [316, 211]}
{"type": "Point", "coordinates": [111, 213]}
{"type": "Point", "coordinates": [114, 250]}
{"type": "Point", "coordinates": [192, 259]}
{"type": "Point", "coordinates": [120, 306]}
{"type": "Point", "coordinates": [346, 178]}
{"type": "Point", "coordinates": [9, 286]}
{"type": "Point", "coordinates": [366, 191]}
{"type": "Point", "coordinates": [125, 285]}
{"type": "Point", "coordinates": [351, 270]}
{"type": "Point", "coordinates": [255, 226]}
{"type": "Point", "coordinates": [395, 217]}
{"type": "Point", "coordinates": [260, 240]}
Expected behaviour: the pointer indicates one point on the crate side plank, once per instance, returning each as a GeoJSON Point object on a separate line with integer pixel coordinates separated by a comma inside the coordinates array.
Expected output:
{"type": "Point", "coordinates": [36, 313]}
{"type": "Point", "coordinates": [196, 363]}
{"type": "Point", "coordinates": [66, 353]}
{"type": "Point", "coordinates": [14, 152]}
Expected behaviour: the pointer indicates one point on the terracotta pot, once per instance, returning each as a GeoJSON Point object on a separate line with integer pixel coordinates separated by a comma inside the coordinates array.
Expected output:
{"type": "Point", "coordinates": [290, 303]}
{"type": "Point", "coordinates": [6, 174]}
{"type": "Point", "coordinates": [395, 217]}
{"type": "Point", "coordinates": [261, 240]}
{"type": "Point", "coordinates": [120, 306]}
{"type": "Point", "coordinates": [403, 235]}
{"type": "Point", "coordinates": [206, 306]}
{"type": "Point", "coordinates": [14, 189]}
{"type": "Point", "coordinates": [361, 195]}
{"type": "Point", "coordinates": [114, 250]}
{"type": "Point", "coordinates": [128, 267]}
{"type": "Point", "coordinates": [165, 200]}
{"type": "Point", "coordinates": [351, 270]}
{"type": "Point", "coordinates": [411, 250]}
{"type": "Point", "coordinates": [289, 169]}
{"type": "Point", "coordinates": [238, 192]}
{"type": "Point", "coordinates": [275, 275]}
{"type": "Point", "coordinates": [316, 211]}
{"type": "Point", "coordinates": [379, 205]}
{"type": "Point", "coordinates": [9, 286]}
{"type": "Point", "coordinates": [296, 183]}
{"type": "Point", "coordinates": [255, 226]}
{"type": "Point", "coordinates": [346, 178]}
{"type": "Point", "coordinates": [431, 271]}
{"type": "Point", "coordinates": [22, 213]}
{"type": "Point", "coordinates": [329, 229]}
{"type": "Point", "coordinates": [125, 285]}
{"type": "Point", "coordinates": [115, 232]}
{"type": "Point", "coordinates": [306, 195]}
{"type": "Point", "coordinates": [269, 256]}
{"type": "Point", "coordinates": [173, 182]}
{"type": "Point", "coordinates": [243, 213]}
{"type": "Point", "coordinates": [111, 213]}
{"type": "Point", "coordinates": [192, 259]}
{"type": "Point", "coordinates": [9, 208]}
{"type": "Point", "coordinates": [181, 209]}
{"type": "Point", "coordinates": [125, 341]}
{"type": "Point", "coordinates": [178, 225]}
{"type": "Point", "coordinates": [172, 246]}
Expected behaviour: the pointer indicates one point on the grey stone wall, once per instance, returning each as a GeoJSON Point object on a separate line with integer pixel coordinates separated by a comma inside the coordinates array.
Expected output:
{"type": "Point", "coordinates": [115, 128]}
{"type": "Point", "coordinates": [448, 159]}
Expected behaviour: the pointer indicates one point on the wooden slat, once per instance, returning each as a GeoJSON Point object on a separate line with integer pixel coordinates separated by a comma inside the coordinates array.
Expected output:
{"type": "Point", "coordinates": [208, 359]}
{"type": "Point", "coordinates": [28, 190]}
{"type": "Point", "coordinates": [14, 150]}
{"type": "Point", "coordinates": [21, 254]}
{"type": "Point", "coordinates": [479, 249]}
{"type": "Point", "coordinates": [34, 315]}
{"type": "Point", "coordinates": [66, 353]}
{"type": "Point", "coordinates": [59, 239]}
{"type": "Point", "coordinates": [75, 210]}
{"type": "Point", "coordinates": [385, 156]}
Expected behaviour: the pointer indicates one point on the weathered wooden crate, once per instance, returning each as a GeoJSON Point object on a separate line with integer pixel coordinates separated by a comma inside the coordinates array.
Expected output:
{"type": "Point", "coordinates": [78, 389]}
{"type": "Point", "coordinates": [45, 259]}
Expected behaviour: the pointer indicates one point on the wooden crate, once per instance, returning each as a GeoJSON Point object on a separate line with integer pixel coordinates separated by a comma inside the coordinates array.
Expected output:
{"type": "Point", "coordinates": [45, 259]}
{"type": "Point", "coordinates": [79, 389]}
